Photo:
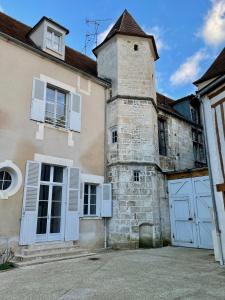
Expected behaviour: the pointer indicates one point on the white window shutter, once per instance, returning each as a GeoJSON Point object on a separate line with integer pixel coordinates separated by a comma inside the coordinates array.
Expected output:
{"type": "Point", "coordinates": [98, 200]}
{"type": "Point", "coordinates": [75, 112]}
{"type": "Point", "coordinates": [72, 209]}
{"type": "Point", "coordinates": [38, 100]}
{"type": "Point", "coordinates": [30, 203]}
{"type": "Point", "coordinates": [106, 200]}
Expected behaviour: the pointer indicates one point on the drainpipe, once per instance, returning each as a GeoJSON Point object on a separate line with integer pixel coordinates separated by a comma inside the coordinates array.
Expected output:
{"type": "Point", "coordinates": [105, 160]}
{"type": "Point", "coordinates": [105, 239]}
{"type": "Point", "coordinates": [218, 231]}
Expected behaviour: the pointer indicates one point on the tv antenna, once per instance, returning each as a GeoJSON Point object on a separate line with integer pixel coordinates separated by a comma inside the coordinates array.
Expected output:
{"type": "Point", "coordinates": [92, 37]}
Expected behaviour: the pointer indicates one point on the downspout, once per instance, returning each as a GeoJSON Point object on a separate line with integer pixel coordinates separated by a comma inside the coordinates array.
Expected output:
{"type": "Point", "coordinates": [218, 231]}
{"type": "Point", "coordinates": [105, 162]}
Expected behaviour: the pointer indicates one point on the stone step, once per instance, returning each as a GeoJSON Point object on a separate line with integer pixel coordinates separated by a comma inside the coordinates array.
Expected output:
{"type": "Point", "coordinates": [49, 245]}
{"type": "Point", "coordinates": [38, 255]}
{"type": "Point", "coordinates": [36, 251]}
{"type": "Point", "coordinates": [51, 259]}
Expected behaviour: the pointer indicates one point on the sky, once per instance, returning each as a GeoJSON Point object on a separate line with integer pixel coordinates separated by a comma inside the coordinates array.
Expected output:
{"type": "Point", "coordinates": [189, 34]}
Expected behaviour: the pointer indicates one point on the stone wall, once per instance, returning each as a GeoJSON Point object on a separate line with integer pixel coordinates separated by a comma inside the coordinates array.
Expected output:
{"type": "Point", "coordinates": [180, 153]}
{"type": "Point", "coordinates": [134, 204]}
{"type": "Point", "coordinates": [136, 122]}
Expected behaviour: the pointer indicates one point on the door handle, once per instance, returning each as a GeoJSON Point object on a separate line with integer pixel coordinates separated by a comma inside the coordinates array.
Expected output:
{"type": "Point", "coordinates": [190, 219]}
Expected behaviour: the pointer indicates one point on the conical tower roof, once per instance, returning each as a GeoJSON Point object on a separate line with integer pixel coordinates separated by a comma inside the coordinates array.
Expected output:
{"type": "Point", "coordinates": [126, 25]}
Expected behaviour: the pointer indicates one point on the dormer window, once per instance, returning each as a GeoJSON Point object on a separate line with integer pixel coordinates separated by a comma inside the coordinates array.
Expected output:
{"type": "Point", "coordinates": [53, 40]}
{"type": "Point", "coordinates": [50, 37]}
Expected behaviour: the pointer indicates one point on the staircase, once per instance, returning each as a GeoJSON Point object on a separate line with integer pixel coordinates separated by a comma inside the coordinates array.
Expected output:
{"type": "Point", "coordinates": [49, 252]}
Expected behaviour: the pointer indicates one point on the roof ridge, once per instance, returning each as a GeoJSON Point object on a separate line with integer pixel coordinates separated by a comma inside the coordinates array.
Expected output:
{"type": "Point", "coordinates": [123, 14]}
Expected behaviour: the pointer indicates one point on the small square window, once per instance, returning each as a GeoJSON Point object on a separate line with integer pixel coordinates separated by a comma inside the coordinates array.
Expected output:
{"type": "Point", "coordinates": [135, 47]}
{"type": "Point", "coordinates": [136, 176]}
{"type": "Point", "coordinates": [114, 136]}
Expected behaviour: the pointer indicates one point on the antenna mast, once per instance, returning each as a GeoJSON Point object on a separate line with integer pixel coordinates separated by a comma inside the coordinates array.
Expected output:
{"type": "Point", "coordinates": [92, 37]}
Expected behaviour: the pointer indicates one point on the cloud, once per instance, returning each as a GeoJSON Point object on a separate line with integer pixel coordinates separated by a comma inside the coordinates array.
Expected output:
{"type": "Point", "coordinates": [189, 70]}
{"type": "Point", "coordinates": [157, 33]}
{"type": "Point", "coordinates": [213, 30]}
{"type": "Point", "coordinates": [1, 8]}
{"type": "Point", "coordinates": [102, 35]}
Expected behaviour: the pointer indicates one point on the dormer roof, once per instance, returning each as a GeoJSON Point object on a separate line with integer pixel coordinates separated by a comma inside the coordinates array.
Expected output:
{"type": "Point", "coordinates": [50, 21]}
{"type": "Point", "coordinates": [126, 25]}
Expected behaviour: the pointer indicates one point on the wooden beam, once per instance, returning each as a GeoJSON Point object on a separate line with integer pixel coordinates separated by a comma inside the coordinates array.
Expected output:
{"type": "Point", "coordinates": [188, 174]}
{"type": "Point", "coordinates": [220, 187]}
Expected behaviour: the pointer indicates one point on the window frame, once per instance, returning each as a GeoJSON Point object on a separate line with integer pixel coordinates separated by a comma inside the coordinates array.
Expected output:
{"type": "Point", "coordinates": [16, 179]}
{"type": "Point", "coordinates": [162, 143]}
{"type": "Point", "coordinates": [198, 147]}
{"type": "Point", "coordinates": [89, 214]}
{"type": "Point", "coordinates": [55, 122]}
{"type": "Point", "coordinates": [50, 42]}
{"type": "Point", "coordinates": [136, 175]}
{"type": "Point", "coordinates": [114, 135]}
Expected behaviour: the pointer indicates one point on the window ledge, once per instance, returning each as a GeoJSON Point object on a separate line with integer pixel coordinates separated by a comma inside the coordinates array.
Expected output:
{"type": "Point", "coordinates": [56, 127]}
{"type": "Point", "coordinates": [54, 51]}
{"type": "Point", "coordinates": [91, 218]}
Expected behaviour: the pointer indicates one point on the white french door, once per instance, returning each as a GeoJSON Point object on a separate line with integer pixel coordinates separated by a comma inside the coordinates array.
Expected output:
{"type": "Point", "coordinates": [51, 204]}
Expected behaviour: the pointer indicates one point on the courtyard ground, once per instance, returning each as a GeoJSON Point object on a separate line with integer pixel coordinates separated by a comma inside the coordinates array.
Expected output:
{"type": "Point", "coordinates": [166, 273]}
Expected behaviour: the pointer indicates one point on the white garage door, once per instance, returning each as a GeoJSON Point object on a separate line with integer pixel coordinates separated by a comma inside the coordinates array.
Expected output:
{"type": "Point", "coordinates": [190, 212]}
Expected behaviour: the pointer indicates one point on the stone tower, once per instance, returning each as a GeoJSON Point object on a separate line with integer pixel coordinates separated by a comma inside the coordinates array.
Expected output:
{"type": "Point", "coordinates": [127, 57]}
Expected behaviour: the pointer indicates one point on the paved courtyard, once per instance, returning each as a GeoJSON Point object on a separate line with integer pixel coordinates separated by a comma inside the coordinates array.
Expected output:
{"type": "Point", "coordinates": [167, 273]}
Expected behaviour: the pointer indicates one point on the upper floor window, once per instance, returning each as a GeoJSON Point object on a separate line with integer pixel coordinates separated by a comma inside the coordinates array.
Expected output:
{"type": "Point", "coordinates": [53, 40]}
{"type": "Point", "coordinates": [198, 148]}
{"type": "Point", "coordinates": [195, 115]}
{"type": "Point", "coordinates": [136, 176]}
{"type": "Point", "coordinates": [56, 107]}
{"type": "Point", "coordinates": [135, 47]}
{"type": "Point", "coordinates": [114, 135]}
{"type": "Point", "coordinates": [162, 136]}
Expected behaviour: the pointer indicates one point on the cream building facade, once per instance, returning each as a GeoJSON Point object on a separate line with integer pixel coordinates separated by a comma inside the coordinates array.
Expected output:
{"type": "Point", "coordinates": [87, 147]}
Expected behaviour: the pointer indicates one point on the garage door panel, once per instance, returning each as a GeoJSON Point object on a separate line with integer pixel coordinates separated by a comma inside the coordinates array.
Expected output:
{"type": "Point", "coordinates": [180, 188]}
{"type": "Point", "coordinates": [205, 235]}
{"type": "Point", "coordinates": [183, 232]}
{"type": "Point", "coordinates": [203, 204]}
{"type": "Point", "coordinates": [202, 185]}
{"type": "Point", "coordinates": [181, 209]}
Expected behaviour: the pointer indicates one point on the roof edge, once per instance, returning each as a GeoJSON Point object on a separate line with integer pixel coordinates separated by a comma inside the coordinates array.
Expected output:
{"type": "Point", "coordinates": [55, 59]}
{"type": "Point", "coordinates": [148, 36]}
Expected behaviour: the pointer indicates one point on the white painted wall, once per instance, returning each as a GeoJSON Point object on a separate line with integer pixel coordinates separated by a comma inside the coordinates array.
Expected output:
{"type": "Point", "coordinates": [215, 165]}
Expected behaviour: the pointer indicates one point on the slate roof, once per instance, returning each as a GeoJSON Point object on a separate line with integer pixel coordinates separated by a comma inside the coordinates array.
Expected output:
{"type": "Point", "coordinates": [126, 25]}
{"type": "Point", "coordinates": [19, 31]}
{"type": "Point", "coordinates": [166, 104]}
{"type": "Point", "coordinates": [217, 68]}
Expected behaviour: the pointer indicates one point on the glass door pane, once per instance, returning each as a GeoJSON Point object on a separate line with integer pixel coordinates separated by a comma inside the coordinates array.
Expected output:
{"type": "Point", "coordinates": [43, 209]}
{"type": "Point", "coordinates": [55, 223]}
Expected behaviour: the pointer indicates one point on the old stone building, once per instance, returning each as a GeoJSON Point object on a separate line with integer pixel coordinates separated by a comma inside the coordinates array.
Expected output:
{"type": "Point", "coordinates": [83, 127]}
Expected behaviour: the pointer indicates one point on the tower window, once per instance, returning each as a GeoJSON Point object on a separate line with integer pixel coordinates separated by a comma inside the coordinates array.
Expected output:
{"type": "Point", "coordinates": [114, 135]}
{"type": "Point", "coordinates": [136, 176]}
{"type": "Point", "coordinates": [162, 137]}
{"type": "Point", "coordinates": [135, 47]}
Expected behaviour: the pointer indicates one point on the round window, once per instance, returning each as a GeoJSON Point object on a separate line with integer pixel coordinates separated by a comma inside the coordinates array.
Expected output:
{"type": "Point", "coordinates": [5, 180]}
{"type": "Point", "coordinates": [10, 179]}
